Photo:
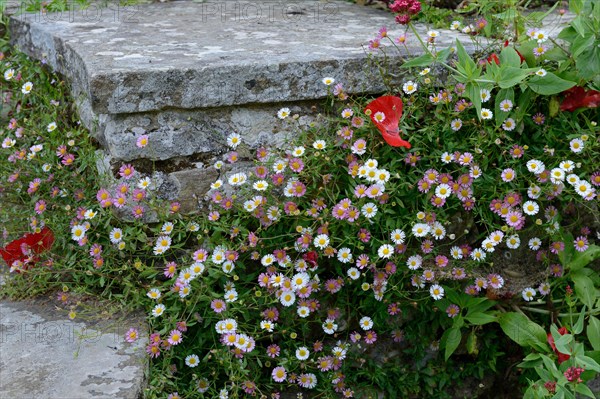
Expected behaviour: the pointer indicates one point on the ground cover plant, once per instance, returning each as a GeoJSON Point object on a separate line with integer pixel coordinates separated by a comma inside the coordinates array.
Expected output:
{"type": "Point", "coordinates": [445, 231]}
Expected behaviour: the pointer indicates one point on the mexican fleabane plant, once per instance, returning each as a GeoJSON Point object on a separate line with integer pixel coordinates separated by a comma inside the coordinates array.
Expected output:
{"type": "Point", "coordinates": [416, 222]}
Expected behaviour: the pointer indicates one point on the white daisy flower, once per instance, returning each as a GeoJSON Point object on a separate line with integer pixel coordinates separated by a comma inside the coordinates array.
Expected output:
{"type": "Point", "coordinates": [9, 74]}
{"type": "Point", "coordinates": [303, 311]}
{"type": "Point", "coordinates": [319, 145]}
{"type": "Point", "coordinates": [283, 113]}
{"type": "Point", "coordinates": [486, 113]}
{"type": "Point", "coordinates": [300, 280]}
{"type": "Point", "coordinates": [535, 166]}
{"type": "Point", "coordinates": [414, 262]}
{"type": "Point", "coordinates": [509, 124]}
{"type": "Point", "coordinates": [366, 323]}
{"type": "Point", "coordinates": [353, 273]}
{"type": "Point", "coordinates": [233, 140]}
{"type": "Point", "coordinates": [329, 326]}
{"type": "Point", "coordinates": [421, 229]}
{"type": "Point", "coordinates": [398, 236]}
{"type": "Point", "coordinates": [506, 105]}
{"type": "Point", "coordinates": [438, 231]}
{"type": "Point", "coordinates": [116, 235]}
{"type": "Point", "coordinates": [231, 296]}
{"type": "Point", "coordinates": [153, 293]}
{"type": "Point", "coordinates": [456, 252]}
{"type": "Point", "coordinates": [216, 184]}
{"type": "Point", "coordinates": [478, 254]}
{"type": "Point", "coordinates": [456, 124]}
{"type": "Point", "coordinates": [237, 179]}
{"type": "Point", "coordinates": [385, 251]}
{"type": "Point", "coordinates": [576, 145]}
{"type": "Point", "coordinates": [567, 166]}
{"type": "Point", "coordinates": [513, 241]}
{"type": "Point", "coordinates": [443, 190]}
{"type": "Point", "coordinates": [287, 298]}
{"type": "Point", "coordinates": [528, 294]}
{"type": "Point", "coordinates": [158, 310]}
{"type": "Point", "coordinates": [267, 325]}
{"type": "Point", "coordinates": [369, 210]}
{"type": "Point", "coordinates": [531, 208]}
{"type": "Point", "coordinates": [27, 87]}
{"type": "Point", "coordinates": [321, 241]}
{"type": "Point", "coordinates": [192, 360]}
{"type": "Point", "coordinates": [410, 87]}
{"type": "Point", "coordinates": [535, 243]}
{"type": "Point", "coordinates": [344, 255]}
{"type": "Point", "coordinates": [447, 157]}
{"type": "Point", "coordinates": [436, 291]}
{"type": "Point", "coordinates": [78, 232]}
{"type": "Point", "coordinates": [572, 179]}
{"type": "Point", "coordinates": [485, 95]}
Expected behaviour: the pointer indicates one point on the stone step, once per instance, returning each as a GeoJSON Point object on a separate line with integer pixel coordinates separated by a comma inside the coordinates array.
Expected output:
{"type": "Point", "coordinates": [188, 73]}
{"type": "Point", "coordinates": [45, 355]}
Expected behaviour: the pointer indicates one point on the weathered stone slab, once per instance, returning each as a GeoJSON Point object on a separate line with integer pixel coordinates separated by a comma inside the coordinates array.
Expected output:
{"type": "Point", "coordinates": [191, 55]}
{"type": "Point", "coordinates": [43, 355]}
{"type": "Point", "coordinates": [179, 132]}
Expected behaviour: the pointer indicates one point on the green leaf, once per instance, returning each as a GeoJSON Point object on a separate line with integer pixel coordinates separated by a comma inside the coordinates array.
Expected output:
{"type": "Point", "coordinates": [472, 348]}
{"type": "Point", "coordinates": [452, 340]}
{"type": "Point", "coordinates": [543, 373]}
{"type": "Point", "coordinates": [421, 61]}
{"type": "Point", "coordinates": [480, 318]}
{"type": "Point", "coordinates": [526, 99]}
{"type": "Point", "coordinates": [578, 326]}
{"type": "Point", "coordinates": [584, 288]}
{"type": "Point", "coordinates": [476, 305]}
{"type": "Point", "coordinates": [549, 84]}
{"type": "Point", "coordinates": [580, 44]}
{"type": "Point", "coordinates": [443, 55]}
{"type": "Point", "coordinates": [587, 63]}
{"type": "Point", "coordinates": [511, 76]}
{"type": "Point", "coordinates": [503, 94]}
{"type": "Point", "coordinates": [575, 6]}
{"type": "Point", "coordinates": [465, 61]}
{"type": "Point", "coordinates": [566, 255]}
{"type": "Point", "coordinates": [510, 57]}
{"type": "Point", "coordinates": [562, 343]}
{"type": "Point", "coordinates": [532, 360]}
{"type": "Point", "coordinates": [526, 50]}
{"type": "Point", "coordinates": [582, 259]}
{"type": "Point", "coordinates": [593, 332]}
{"type": "Point", "coordinates": [568, 34]}
{"type": "Point", "coordinates": [588, 363]}
{"type": "Point", "coordinates": [584, 390]}
{"type": "Point", "coordinates": [551, 366]}
{"type": "Point", "coordinates": [578, 25]}
{"type": "Point", "coordinates": [473, 91]}
{"type": "Point", "coordinates": [523, 331]}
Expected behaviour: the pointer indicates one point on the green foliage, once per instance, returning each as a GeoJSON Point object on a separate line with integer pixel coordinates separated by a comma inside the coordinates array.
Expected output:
{"type": "Point", "coordinates": [438, 271]}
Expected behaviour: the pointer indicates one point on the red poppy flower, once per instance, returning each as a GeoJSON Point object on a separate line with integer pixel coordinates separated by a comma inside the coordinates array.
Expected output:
{"type": "Point", "coordinates": [578, 97]}
{"type": "Point", "coordinates": [385, 112]}
{"type": "Point", "coordinates": [310, 258]}
{"type": "Point", "coordinates": [31, 243]}
{"type": "Point", "coordinates": [493, 58]}
{"type": "Point", "coordinates": [561, 356]}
